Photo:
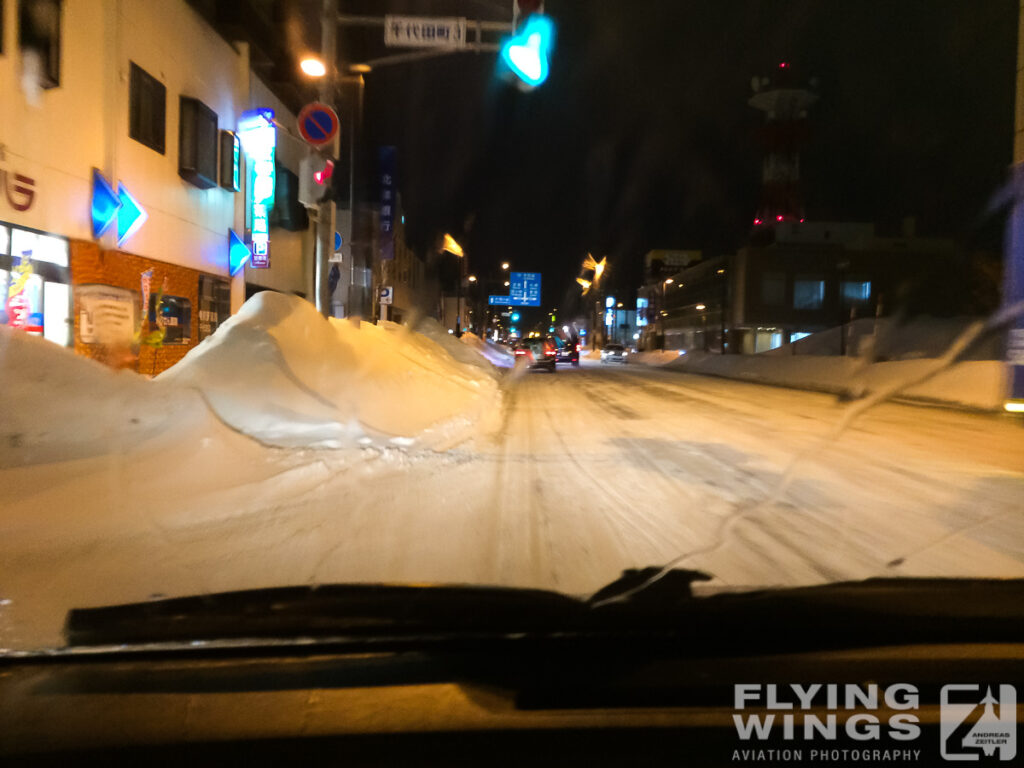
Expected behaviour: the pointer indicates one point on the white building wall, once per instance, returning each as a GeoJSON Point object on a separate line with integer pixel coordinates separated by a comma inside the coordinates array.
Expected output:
{"type": "Point", "coordinates": [83, 124]}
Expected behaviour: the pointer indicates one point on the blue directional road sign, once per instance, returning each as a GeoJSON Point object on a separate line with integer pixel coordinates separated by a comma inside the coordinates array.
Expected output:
{"type": "Point", "coordinates": [510, 301]}
{"type": "Point", "coordinates": [524, 289]}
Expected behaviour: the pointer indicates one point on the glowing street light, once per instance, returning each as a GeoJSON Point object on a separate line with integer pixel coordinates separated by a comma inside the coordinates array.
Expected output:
{"type": "Point", "coordinates": [669, 281]}
{"type": "Point", "coordinates": [313, 67]}
{"type": "Point", "coordinates": [700, 307]}
{"type": "Point", "coordinates": [506, 283]}
{"type": "Point", "coordinates": [584, 282]}
{"type": "Point", "coordinates": [504, 265]}
{"type": "Point", "coordinates": [472, 278]}
{"type": "Point", "coordinates": [452, 246]}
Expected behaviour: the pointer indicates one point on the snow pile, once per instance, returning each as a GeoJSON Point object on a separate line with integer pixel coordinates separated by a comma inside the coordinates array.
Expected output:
{"type": "Point", "coordinates": [888, 339]}
{"type": "Point", "coordinates": [971, 384]}
{"type": "Point", "coordinates": [429, 328]}
{"type": "Point", "coordinates": [60, 406]}
{"type": "Point", "coordinates": [496, 354]}
{"type": "Point", "coordinates": [654, 357]}
{"type": "Point", "coordinates": [279, 372]}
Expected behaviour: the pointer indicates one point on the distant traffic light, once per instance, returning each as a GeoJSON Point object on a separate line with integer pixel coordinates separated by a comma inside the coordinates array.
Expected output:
{"type": "Point", "coordinates": [527, 53]}
{"type": "Point", "coordinates": [515, 317]}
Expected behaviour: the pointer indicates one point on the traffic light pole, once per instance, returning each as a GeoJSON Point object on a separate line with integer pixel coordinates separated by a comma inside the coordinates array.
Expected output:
{"type": "Point", "coordinates": [327, 211]}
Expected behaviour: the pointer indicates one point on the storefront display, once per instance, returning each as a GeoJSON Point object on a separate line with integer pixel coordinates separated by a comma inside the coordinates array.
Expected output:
{"type": "Point", "coordinates": [34, 283]}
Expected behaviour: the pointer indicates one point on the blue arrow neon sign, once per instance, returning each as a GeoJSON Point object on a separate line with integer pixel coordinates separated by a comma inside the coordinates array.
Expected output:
{"type": "Point", "coordinates": [130, 216]}
{"type": "Point", "coordinates": [104, 204]}
{"type": "Point", "coordinates": [238, 252]}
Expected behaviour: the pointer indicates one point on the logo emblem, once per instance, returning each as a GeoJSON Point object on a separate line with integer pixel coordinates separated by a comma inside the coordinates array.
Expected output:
{"type": "Point", "coordinates": [978, 721]}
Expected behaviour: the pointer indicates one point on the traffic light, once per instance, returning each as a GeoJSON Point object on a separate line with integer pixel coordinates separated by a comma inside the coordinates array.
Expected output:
{"type": "Point", "coordinates": [515, 317]}
{"type": "Point", "coordinates": [315, 175]}
{"type": "Point", "coordinates": [322, 179]}
{"type": "Point", "coordinates": [528, 52]}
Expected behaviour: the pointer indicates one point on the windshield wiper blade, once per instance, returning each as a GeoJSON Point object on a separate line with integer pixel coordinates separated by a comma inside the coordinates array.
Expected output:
{"type": "Point", "coordinates": [322, 611]}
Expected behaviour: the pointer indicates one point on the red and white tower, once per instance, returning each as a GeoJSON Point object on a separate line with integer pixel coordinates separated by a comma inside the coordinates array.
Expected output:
{"type": "Point", "coordinates": [784, 101]}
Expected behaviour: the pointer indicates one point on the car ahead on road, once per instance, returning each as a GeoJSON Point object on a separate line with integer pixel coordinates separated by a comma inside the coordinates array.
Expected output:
{"type": "Point", "coordinates": [614, 353]}
{"type": "Point", "coordinates": [568, 351]}
{"type": "Point", "coordinates": [538, 353]}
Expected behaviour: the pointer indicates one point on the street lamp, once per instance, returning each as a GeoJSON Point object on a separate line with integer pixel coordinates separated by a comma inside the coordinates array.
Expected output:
{"type": "Point", "coordinates": [452, 246]}
{"type": "Point", "coordinates": [472, 278]}
{"type": "Point", "coordinates": [504, 265]}
{"type": "Point", "coordinates": [313, 67]}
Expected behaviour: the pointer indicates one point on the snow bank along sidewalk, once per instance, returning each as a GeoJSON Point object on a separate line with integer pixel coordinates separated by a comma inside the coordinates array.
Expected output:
{"type": "Point", "coordinates": [976, 384]}
{"type": "Point", "coordinates": [277, 371]}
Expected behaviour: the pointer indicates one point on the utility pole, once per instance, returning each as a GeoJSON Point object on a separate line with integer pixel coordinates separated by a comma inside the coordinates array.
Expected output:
{"type": "Point", "coordinates": [326, 217]}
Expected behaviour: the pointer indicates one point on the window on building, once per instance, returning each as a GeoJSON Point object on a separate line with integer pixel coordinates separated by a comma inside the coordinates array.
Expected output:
{"type": "Point", "coordinates": [197, 143]}
{"type": "Point", "coordinates": [214, 304]}
{"type": "Point", "coordinates": [175, 315]}
{"type": "Point", "coordinates": [147, 119]}
{"type": "Point", "coordinates": [808, 293]}
{"type": "Point", "coordinates": [773, 289]}
{"type": "Point", "coordinates": [39, 40]}
{"type": "Point", "coordinates": [856, 290]}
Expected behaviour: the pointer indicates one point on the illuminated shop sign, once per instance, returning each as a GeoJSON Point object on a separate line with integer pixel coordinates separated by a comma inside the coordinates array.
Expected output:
{"type": "Point", "coordinates": [17, 189]}
{"type": "Point", "coordinates": [259, 137]}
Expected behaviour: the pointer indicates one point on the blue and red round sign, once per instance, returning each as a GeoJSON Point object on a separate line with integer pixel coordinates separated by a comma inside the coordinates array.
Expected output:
{"type": "Point", "coordinates": [318, 123]}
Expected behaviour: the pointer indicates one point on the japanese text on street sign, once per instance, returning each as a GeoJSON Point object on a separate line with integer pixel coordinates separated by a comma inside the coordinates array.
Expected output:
{"type": "Point", "coordinates": [525, 289]}
{"type": "Point", "coordinates": [424, 32]}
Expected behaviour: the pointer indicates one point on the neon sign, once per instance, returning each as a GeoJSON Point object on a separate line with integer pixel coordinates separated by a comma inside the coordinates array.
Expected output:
{"type": "Point", "coordinates": [259, 137]}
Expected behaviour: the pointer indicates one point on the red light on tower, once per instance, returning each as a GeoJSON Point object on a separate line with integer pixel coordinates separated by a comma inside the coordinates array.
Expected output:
{"type": "Point", "coordinates": [783, 64]}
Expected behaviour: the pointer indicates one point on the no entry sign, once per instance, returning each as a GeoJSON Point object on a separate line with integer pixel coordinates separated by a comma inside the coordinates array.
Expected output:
{"type": "Point", "coordinates": [318, 123]}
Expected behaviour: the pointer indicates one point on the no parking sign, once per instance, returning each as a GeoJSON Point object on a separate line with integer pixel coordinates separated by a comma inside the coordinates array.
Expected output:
{"type": "Point", "coordinates": [318, 123]}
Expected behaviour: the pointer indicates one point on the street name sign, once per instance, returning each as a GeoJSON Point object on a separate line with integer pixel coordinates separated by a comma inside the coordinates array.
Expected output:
{"type": "Point", "coordinates": [424, 32]}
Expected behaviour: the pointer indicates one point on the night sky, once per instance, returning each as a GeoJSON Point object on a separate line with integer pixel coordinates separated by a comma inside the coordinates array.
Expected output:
{"type": "Point", "coordinates": [642, 137]}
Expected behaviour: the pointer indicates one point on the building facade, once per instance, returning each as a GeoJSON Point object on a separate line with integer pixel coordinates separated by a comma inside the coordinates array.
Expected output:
{"type": "Point", "coordinates": [812, 278]}
{"type": "Point", "coordinates": [123, 176]}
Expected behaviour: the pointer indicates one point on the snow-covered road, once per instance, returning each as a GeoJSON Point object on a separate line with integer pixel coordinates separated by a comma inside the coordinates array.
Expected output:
{"type": "Point", "coordinates": [589, 471]}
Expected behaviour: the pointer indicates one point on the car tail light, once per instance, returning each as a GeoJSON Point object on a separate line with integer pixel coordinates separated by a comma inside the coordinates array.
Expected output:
{"type": "Point", "coordinates": [520, 351]}
{"type": "Point", "coordinates": [549, 351]}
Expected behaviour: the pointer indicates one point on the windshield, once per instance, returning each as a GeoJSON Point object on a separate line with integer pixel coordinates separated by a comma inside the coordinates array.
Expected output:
{"type": "Point", "coordinates": [259, 302]}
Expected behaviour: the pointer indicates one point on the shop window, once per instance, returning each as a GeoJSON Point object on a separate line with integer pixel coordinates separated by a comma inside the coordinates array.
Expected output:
{"type": "Point", "coordinates": [175, 316]}
{"type": "Point", "coordinates": [214, 304]}
{"type": "Point", "coordinates": [34, 277]}
{"type": "Point", "coordinates": [808, 293]}
{"type": "Point", "coordinates": [39, 40]}
{"type": "Point", "coordinates": [147, 119]}
{"type": "Point", "coordinates": [856, 290]}
{"type": "Point", "coordinates": [197, 143]}
{"type": "Point", "coordinates": [773, 289]}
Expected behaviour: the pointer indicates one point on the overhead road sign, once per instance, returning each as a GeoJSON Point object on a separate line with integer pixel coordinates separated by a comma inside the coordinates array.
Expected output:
{"type": "Point", "coordinates": [424, 32]}
{"type": "Point", "coordinates": [318, 124]}
{"type": "Point", "coordinates": [524, 289]}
